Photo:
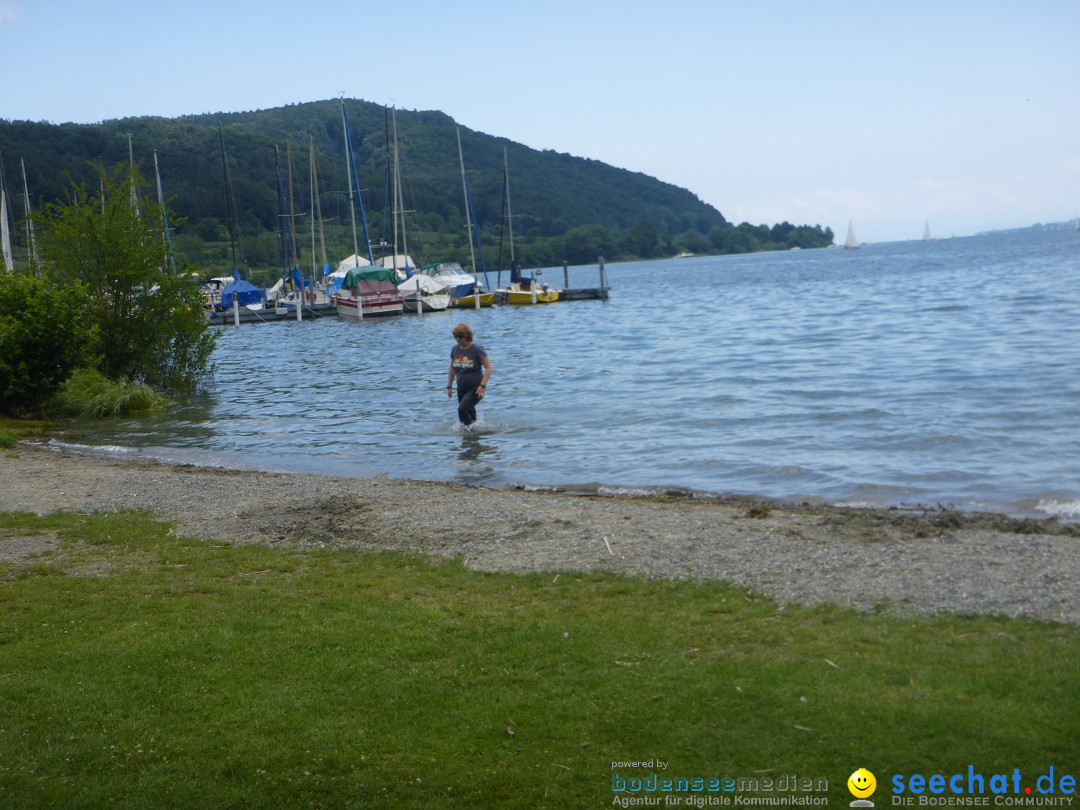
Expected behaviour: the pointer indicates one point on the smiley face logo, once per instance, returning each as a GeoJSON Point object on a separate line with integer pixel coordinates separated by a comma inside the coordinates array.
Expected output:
{"type": "Point", "coordinates": [861, 783]}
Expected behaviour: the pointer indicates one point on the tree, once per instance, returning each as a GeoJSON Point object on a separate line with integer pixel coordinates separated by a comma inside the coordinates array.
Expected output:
{"type": "Point", "coordinates": [148, 318]}
{"type": "Point", "coordinates": [693, 242]}
{"type": "Point", "coordinates": [642, 240]}
{"type": "Point", "coordinates": [585, 244]}
{"type": "Point", "coordinates": [43, 339]}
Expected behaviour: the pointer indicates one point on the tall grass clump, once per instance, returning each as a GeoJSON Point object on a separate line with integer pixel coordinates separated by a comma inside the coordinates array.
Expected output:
{"type": "Point", "coordinates": [89, 393]}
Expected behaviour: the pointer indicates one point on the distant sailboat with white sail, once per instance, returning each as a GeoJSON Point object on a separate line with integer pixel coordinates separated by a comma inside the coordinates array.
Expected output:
{"type": "Point", "coordinates": [852, 240]}
{"type": "Point", "coordinates": [5, 226]}
{"type": "Point", "coordinates": [926, 237]}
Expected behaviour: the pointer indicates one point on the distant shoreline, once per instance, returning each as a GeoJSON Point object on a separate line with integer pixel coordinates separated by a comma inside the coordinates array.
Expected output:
{"type": "Point", "coordinates": [921, 562]}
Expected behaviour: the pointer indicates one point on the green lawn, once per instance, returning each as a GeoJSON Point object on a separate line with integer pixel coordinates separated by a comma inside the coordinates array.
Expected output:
{"type": "Point", "coordinates": [139, 669]}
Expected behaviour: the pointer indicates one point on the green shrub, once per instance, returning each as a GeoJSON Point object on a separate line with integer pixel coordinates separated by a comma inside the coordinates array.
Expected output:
{"type": "Point", "coordinates": [148, 317]}
{"type": "Point", "coordinates": [43, 335]}
{"type": "Point", "coordinates": [88, 393]}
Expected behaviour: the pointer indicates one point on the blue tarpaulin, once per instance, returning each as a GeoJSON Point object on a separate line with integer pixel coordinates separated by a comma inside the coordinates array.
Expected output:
{"type": "Point", "coordinates": [245, 292]}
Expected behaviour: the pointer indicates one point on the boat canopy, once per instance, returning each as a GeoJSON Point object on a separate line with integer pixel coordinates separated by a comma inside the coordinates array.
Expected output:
{"type": "Point", "coordinates": [442, 268]}
{"type": "Point", "coordinates": [244, 291]}
{"type": "Point", "coordinates": [345, 265]}
{"type": "Point", "coordinates": [397, 261]}
{"type": "Point", "coordinates": [358, 274]}
{"type": "Point", "coordinates": [426, 284]}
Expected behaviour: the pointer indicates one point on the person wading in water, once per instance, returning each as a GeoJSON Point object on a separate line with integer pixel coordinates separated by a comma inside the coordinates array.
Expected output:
{"type": "Point", "coordinates": [471, 366]}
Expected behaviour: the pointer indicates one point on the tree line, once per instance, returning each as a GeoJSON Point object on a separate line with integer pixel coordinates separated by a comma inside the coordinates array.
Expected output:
{"type": "Point", "coordinates": [564, 208]}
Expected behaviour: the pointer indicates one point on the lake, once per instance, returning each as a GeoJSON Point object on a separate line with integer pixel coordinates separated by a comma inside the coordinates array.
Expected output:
{"type": "Point", "coordinates": [910, 373]}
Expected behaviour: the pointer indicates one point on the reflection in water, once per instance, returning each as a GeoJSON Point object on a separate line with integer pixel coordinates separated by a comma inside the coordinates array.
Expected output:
{"type": "Point", "coordinates": [473, 469]}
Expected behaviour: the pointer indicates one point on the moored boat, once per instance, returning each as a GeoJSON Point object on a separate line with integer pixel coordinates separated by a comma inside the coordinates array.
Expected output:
{"type": "Point", "coordinates": [424, 294]}
{"type": "Point", "coordinates": [367, 292]}
{"type": "Point", "coordinates": [522, 290]}
{"type": "Point", "coordinates": [466, 291]}
{"type": "Point", "coordinates": [461, 296]}
{"type": "Point", "coordinates": [525, 290]}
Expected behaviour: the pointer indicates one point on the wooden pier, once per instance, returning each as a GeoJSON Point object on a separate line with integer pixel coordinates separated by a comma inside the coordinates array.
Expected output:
{"type": "Point", "coordinates": [569, 293]}
{"type": "Point", "coordinates": [244, 315]}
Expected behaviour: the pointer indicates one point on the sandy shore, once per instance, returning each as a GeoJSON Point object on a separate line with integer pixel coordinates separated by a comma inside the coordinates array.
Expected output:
{"type": "Point", "coordinates": [921, 562]}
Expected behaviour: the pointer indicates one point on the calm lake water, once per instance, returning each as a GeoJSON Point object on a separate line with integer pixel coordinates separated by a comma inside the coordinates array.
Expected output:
{"type": "Point", "coordinates": [905, 373]}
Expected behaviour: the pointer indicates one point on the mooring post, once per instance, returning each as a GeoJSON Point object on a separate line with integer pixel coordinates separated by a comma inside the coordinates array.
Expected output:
{"type": "Point", "coordinates": [565, 275]}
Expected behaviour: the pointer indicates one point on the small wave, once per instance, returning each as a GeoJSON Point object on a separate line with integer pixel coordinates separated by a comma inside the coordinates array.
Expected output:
{"type": "Point", "coordinates": [611, 491]}
{"type": "Point", "coordinates": [1059, 509]}
{"type": "Point", "coordinates": [92, 450]}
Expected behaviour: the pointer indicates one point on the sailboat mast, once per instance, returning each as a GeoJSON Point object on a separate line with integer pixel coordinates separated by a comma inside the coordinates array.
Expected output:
{"type": "Point", "coordinates": [350, 161]}
{"type": "Point", "coordinates": [509, 214]}
{"type": "Point", "coordinates": [166, 236]}
{"type": "Point", "coordinates": [292, 212]}
{"type": "Point", "coordinates": [465, 191]}
{"type": "Point", "coordinates": [348, 180]}
{"type": "Point", "coordinates": [230, 201]}
{"type": "Point", "coordinates": [395, 206]}
{"type": "Point", "coordinates": [281, 214]}
{"type": "Point", "coordinates": [399, 202]}
{"type": "Point", "coordinates": [131, 181]}
{"type": "Point", "coordinates": [316, 206]}
{"type": "Point", "coordinates": [31, 241]}
{"type": "Point", "coordinates": [387, 204]}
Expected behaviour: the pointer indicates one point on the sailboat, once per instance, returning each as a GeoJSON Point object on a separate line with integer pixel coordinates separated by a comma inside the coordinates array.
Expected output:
{"type": "Point", "coordinates": [165, 229]}
{"type": "Point", "coordinates": [522, 290]}
{"type": "Point", "coordinates": [926, 237]}
{"type": "Point", "coordinates": [852, 242]}
{"type": "Point", "coordinates": [466, 291]}
{"type": "Point", "coordinates": [420, 294]}
{"type": "Point", "coordinates": [364, 290]}
{"type": "Point", "coordinates": [231, 299]}
{"type": "Point", "coordinates": [9, 262]}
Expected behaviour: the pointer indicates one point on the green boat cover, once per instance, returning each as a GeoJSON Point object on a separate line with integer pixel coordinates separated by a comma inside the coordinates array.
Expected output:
{"type": "Point", "coordinates": [358, 274]}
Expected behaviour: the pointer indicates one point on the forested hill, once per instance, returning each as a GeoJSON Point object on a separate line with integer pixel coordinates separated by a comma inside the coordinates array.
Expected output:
{"type": "Point", "coordinates": [564, 207]}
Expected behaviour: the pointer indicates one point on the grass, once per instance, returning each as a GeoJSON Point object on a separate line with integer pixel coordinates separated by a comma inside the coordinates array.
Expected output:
{"type": "Point", "coordinates": [142, 669]}
{"type": "Point", "coordinates": [89, 393]}
{"type": "Point", "coordinates": [11, 430]}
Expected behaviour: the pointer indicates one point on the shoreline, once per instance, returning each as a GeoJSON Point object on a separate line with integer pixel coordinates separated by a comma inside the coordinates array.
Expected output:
{"type": "Point", "coordinates": [910, 561]}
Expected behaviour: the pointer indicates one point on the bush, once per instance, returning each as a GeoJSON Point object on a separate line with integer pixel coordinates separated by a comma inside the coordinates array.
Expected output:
{"type": "Point", "coordinates": [149, 319]}
{"type": "Point", "coordinates": [88, 393]}
{"type": "Point", "coordinates": [43, 335]}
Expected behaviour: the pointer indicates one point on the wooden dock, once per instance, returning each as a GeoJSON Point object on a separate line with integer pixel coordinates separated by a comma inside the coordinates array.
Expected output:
{"type": "Point", "coordinates": [569, 293]}
{"type": "Point", "coordinates": [584, 294]}
{"type": "Point", "coordinates": [308, 312]}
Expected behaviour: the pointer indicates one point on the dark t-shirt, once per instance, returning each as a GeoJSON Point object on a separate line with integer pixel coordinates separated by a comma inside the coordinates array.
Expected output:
{"type": "Point", "coordinates": [468, 364]}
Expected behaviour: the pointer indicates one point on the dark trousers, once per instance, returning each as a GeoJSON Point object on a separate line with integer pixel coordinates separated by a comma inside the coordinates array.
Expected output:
{"type": "Point", "coordinates": [466, 403]}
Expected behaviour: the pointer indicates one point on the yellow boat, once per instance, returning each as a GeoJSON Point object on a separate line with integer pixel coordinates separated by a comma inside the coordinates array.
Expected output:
{"type": "Point", "coordinates": [527, 293]}
{"type": "Point", "coordinates": [469, 301]}
{"type": "Point", "coordinates": [522, 290]}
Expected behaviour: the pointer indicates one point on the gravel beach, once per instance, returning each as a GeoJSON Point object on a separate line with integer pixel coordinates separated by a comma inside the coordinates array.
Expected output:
{"type": "Point", "coordinates": [923, 562]}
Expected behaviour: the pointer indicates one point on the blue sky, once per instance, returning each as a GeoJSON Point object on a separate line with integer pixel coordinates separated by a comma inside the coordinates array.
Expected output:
{"type": "Point", "coordinates": [963, 114]}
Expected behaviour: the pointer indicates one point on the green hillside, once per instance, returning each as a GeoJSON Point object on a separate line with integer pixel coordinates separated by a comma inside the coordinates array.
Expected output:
{"type": "Point", "coordinates": [565, 208]}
